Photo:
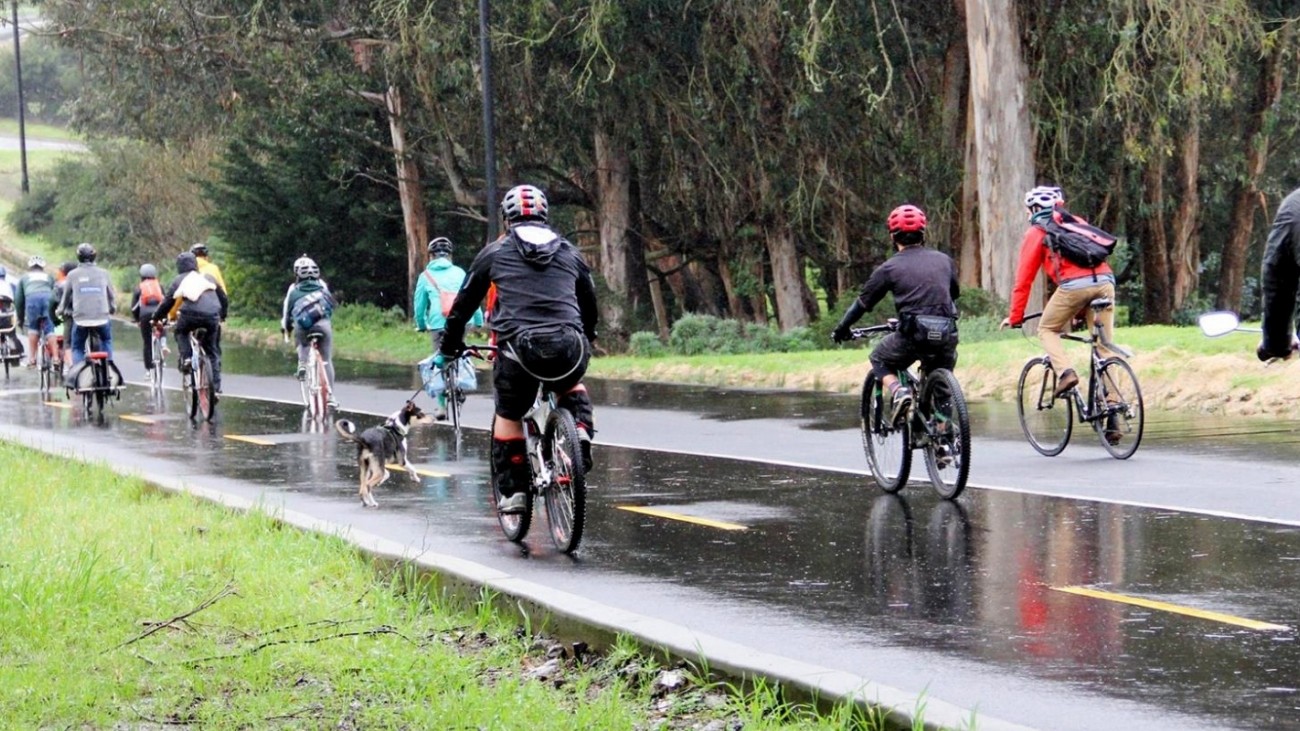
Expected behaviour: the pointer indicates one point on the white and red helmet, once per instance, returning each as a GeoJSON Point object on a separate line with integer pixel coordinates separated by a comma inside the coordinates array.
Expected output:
{"type": "Point", "coordinates": [524, 203]}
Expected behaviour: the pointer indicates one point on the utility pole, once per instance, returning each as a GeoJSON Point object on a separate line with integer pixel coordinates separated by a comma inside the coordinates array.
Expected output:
{"type": "Point", "coordinates": [22, 112]}
{"type": "Point", "coordinates": [489, 139]}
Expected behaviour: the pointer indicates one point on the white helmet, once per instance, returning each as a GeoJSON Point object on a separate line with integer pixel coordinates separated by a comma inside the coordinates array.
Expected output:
{"type": "Point", "coordinates": [1044, 196]}
{"type": "Point", "coordinates": [305, 268]}
{"type": "Point", "coordinates": [36, 261]}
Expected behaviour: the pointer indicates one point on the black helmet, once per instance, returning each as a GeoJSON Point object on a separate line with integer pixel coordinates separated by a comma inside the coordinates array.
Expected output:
{"type": "Point", "coordinates": [199, 249]}
{"type": "Point", "coordinates": [67, 267]}
{"type": "Point", "coordinates": [186, 262]}
{"type": "Point", "coordinates": [148, 271]}
{"type": "Point", "coordinates": [440, 246]}
{"type": "Point", "coordinates": [524, 203]}
{"type": "Point", "coordinates": [85, 253]}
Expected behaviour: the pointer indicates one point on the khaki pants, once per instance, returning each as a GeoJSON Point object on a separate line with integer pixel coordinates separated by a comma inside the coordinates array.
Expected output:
{"type": "Point", "coordinates": [1061, 309]}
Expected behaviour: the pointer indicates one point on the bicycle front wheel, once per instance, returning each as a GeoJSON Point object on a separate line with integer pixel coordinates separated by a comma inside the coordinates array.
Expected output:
{"type": "Point", "coordinates": [947, 424]}
{"type": "Point", "coordinates": [1046, 421]}
{"type": "Point", "coordinates": [888, 447]}
{"type": "Point", "coordinates": [1119, 398]}
{"type": "Point", "coordinates": [566, 495]}
{"type": "Point", "coordinates": [453, 396]}
{"type": "Point", "coordinates": [513, 525]}
{"type": "Point", "coordinates": [156, 375]}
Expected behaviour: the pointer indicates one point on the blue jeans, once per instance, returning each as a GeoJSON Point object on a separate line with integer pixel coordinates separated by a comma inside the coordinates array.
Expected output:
{"type": "Point", "coordinates": [81, 332]}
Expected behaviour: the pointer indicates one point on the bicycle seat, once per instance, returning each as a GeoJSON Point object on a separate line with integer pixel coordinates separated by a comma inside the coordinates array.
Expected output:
{"type": "Point", "coordinates": [315, 337]}
{"type": "Point", "coordinates": [97, 355]}
{"type": "Point", "coordinates": [199, 332]}
{"type": "Point", "coordinates": [1101, 303]}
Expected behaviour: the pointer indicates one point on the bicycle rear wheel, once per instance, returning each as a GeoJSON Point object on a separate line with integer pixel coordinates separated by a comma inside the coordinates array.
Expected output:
{"type": "Point", "coordinates": [1119, 398]}
{"type": "Point", "coordinates": [947, 451]}
{"type": "Point", "coordinates": [322, 391]}
{"type": "Point", "coordinates": [207, 394]}
{"type": "Point", "coordinates": [513, 525]}
{"type": "Point", "coordinates": [566, 495]}
{"type": "Point", "coordinates": [1046, 421]}
{"type": "Point", "coordinates": [47, 383]}
{"type": "Point", "coordinates": [888, 447]}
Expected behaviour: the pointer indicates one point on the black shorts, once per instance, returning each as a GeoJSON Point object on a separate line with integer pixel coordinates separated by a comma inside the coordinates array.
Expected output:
{"type": "Point", "coordinates": [556, 357]}
{"type": "Point", "coordinates": [896, 352]}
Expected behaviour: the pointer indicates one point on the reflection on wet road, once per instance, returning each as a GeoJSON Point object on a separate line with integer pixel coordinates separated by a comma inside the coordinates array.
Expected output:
{"type": "Point", "coordinates": [969, 602]}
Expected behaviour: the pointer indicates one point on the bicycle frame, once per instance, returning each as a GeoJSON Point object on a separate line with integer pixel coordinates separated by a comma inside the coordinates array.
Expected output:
{"type": "Point", "coordinates": [315, 383]}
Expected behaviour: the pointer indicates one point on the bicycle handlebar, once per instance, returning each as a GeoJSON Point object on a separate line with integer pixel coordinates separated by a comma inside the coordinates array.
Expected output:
{"type": "Point", "coordinates": [865, 332]}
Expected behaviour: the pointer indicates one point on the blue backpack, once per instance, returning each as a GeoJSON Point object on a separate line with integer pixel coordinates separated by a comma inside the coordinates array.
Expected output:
{"type": "Point", "coordinates": [311, 308]}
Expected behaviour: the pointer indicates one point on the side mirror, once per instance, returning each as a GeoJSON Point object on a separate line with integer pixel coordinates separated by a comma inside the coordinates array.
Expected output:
{"type": "Point", "coordinates": [1215, 324]}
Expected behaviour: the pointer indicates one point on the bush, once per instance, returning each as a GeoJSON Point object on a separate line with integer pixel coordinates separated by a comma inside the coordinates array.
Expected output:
{"type": "Point", "coordinates": [646, 345]}
{"type": "Point", "coordinates": [981, 303]}
{"type": "Point", "coordinates": [698, 334]}
{"type": "Point", "coordinates": [34, 211]}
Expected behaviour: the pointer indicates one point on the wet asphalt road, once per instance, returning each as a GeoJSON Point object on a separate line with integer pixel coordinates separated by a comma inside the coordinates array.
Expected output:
{"type": "Point", "coordinates": [965, 602]}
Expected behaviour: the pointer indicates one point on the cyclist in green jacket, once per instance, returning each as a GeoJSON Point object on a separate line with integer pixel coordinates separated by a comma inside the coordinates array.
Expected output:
{"type": "Point", "coordinates": [435, 290]}
{"type": "Point", "coordinates": [308, 307]}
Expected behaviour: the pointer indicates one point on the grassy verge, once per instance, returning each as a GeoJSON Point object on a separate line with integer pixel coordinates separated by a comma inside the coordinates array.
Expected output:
{"type": "Point", "coordinates": [38, 131]}
{"type": "Point", "coordinates": [130, 608]}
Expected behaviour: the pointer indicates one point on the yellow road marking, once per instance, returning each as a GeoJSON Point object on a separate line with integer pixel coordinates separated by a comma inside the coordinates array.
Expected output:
{"type": "Point", "coordinates": [58, 404]}
{"type": "Point", "coordinates": [1174, 608]}
{"type": "Point", "coordinates": [140, 419]}
{"type": "Point", "coordinates": [684, 518]}
{"type": "Point", "coordinates": [250, 440]}
{"type": "Point", "coordinates": [418, 471]}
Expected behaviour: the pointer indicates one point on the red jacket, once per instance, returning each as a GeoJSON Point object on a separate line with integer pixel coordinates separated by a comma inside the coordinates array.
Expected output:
{"type": "Point", "coordinates": [1034, 255]}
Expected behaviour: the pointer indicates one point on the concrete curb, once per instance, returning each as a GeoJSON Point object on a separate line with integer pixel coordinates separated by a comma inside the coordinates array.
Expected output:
{"type": "Point", "coordinates": [576, 612]}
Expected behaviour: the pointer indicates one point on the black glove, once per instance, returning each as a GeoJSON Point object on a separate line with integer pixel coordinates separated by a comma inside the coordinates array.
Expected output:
{"type": "Point", "coordinates": [843, 332]}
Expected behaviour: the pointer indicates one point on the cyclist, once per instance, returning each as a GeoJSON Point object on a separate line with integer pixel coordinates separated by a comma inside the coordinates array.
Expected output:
{"type": "Point", "coordinates": [89, 300]}
{"type": "Point", "coordinates": [435, 289]}
{"type": "Point", "coordinates": [1280, 280]}
{"type": "Point", "coordinates": [56, 317]}
{"type": "Point", "coordinates": [32, 301]}
{"type": "Point", "coordinates": [145, 299]}
{"type": "Point", "coordinates": [308, 307]}
{"type": "Point", "coordinates": [210, 268]}
{"type": "Point", "coordinates": [924, 284]}
{"type": "Point", "coordinates": [544, 318]}
{"type": "Point", "coordinates": [1076, 286]}
{"type": "Point", "coordinates": [9, 315]}
{"type": "Point", "coordinates": [203, 304]}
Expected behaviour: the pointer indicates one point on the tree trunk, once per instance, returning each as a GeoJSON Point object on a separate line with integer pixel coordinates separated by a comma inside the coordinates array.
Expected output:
{"type": "Point", "coordinates": [410, 192]}
{"type": "Point", "coordinates": [1155, 244]}
{"type": "Point", "coordinates": [614, 211]}
{"type": "Point", "coordinates": [787, 278]}
{"type": "Point", "coordinates": [1185, 249]}
{"type": "Point", "coordinates": [1003, 137]}
{"type": "Point", "coordinates": [1268, 90]}
{"type": "Point", "coordinates": [969, 259]}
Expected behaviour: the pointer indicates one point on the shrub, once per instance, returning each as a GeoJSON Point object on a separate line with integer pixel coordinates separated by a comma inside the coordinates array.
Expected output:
{"type": "Point", "coordinates": [646, 345]}
{"type": "Point", "coordinates": [697, 334]}
{"type": "Point", "coordinates": [981, 303]}
{"type": "Point", "coordinates": [34, 211]}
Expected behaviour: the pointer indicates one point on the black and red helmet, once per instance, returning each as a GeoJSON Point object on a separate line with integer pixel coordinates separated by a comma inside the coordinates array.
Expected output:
{"type": "Point", "coordinates": [906, 217]}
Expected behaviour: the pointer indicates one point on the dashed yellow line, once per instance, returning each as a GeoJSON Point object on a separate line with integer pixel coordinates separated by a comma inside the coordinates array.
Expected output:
{"type": "Point", "coordinates": [1173, 608]}
{"type": "Point", "coordinates": [139, 419]}
{"type": "Point", "coordinates": [250, 440]}
{"type": "Point", "coordinates": [419, 471]}
{"type": "Point", "coordinates": [59, 404]}
{"type": "Point", "coordinates": [683, 518]}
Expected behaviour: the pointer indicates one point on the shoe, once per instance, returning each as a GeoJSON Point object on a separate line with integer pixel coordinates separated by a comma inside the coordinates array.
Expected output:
{"type": "Point", "coordinates": [439, 414]}
{"type": "Point", "coordinates": [332, 403]}
{"type": "Point", "coordinates": [185, 366]}
{"type": "Point", "coordinates": [1068, 380]}
{"type": "Point", "coordinates": [301, 375]}
{"type": "Point", "coordinates": [584, 445]}
{"type": "Point", "coordinates": [902, 399]}
{"type": "Point", "coordinates": [512, 504]}
{"type": "Point", "coordinates": [1113, 434]}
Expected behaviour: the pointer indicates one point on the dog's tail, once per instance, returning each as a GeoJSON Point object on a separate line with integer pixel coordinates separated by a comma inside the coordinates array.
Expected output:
{"type": "Point", "coordinates": [347, 430]}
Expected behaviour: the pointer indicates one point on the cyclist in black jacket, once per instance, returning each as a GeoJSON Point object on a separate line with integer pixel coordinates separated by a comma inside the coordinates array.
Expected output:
{"type": "Point", "coordinates": [924, 284]}
{"type": "Point", "coordinates": [544, 319]}
{"type": "Point", "coordinates": [1280, 279]}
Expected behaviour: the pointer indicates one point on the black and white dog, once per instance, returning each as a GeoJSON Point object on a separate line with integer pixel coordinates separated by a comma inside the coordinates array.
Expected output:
{"type": "Point", "coordinates": [381, 445]}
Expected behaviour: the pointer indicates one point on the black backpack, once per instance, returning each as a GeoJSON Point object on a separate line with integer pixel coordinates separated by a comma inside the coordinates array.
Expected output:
{"type": "Point", "coordinates": [1076, 241]}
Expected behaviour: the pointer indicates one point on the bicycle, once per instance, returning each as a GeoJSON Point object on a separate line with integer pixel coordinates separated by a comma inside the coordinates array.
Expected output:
{"type": "Point", "coordinates": [455, 393]}
{"type": "Point", "coordinates": [196, 382]}
{"type": "Point", "coordinates": [10, 353]}
{"type": "Point", "coordinates": [1112, 406]}
{"type": "Point", "coordinates": [555, 464]}
{"type": "Point", "coordinates": [315, 382]}
{"type": "Point", "coordinates": [159, 350]}
{"type": "Point", "coordinates": [100, 384]}
{"type": "Point", "coordinates": [938, 423]}
{"type": "Point", "coordinates": [50, 348]}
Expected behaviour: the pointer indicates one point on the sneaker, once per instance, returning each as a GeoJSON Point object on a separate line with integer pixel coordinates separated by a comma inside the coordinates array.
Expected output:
{"type": "Point", "coordinates": [902, 399]}
{"type": "Point", "coordinates": [584, 445]}
{"type": "Point", "coordinates": [1113, 434]}
{"type": "Point", "coordinates": [185, 365]}
{"type": "Point", "coordinates": [332, 403]}
{"type": "Point", "coordinates": [512, 504]}
{"type": "Point", "coordinates": [439, 413]}
{"type": "Point", "coordinates": [301, 375]}
{"type": "Point", "coordinates": [1068, 380]}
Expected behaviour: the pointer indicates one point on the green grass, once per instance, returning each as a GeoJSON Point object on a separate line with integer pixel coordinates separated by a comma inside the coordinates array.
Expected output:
{"type": "Point", "coordinates": [38, 131]}
{"type": "Point", "coordinates": [125, 607]}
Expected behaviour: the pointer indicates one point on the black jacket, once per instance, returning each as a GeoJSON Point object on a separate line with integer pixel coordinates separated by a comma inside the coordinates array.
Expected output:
{"type": "Point", "coordinates": [1279, 278]}
{"type": "Point", "coordinates": [924, 282]}
{"type": "Point", "coordinates": [541, 281]}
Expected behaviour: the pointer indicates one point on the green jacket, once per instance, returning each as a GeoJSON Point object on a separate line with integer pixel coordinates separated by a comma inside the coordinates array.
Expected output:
{"type": "Point", "coordinates": [428, 298]}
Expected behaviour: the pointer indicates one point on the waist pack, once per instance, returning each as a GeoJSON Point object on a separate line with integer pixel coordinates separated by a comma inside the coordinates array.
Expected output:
{"type": "Point", "coordinates": [930, 330]}
{"type": "Point", "coordinates": [1075, 241]}
{"type": "Point", "coordinates": [548, 354]}
{"type": "Point", "coordinates": [311, 308]}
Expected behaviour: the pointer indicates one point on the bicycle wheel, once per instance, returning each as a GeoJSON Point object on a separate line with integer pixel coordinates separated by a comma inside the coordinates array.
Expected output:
{"type": "Point", "coordinates": [322, 390]}
{"type": "Point", "coordinates": [4, 355]}
{"type": "Point", "coordinates": [947, 451]}
{"type": "Point", "coordinates": [514, 525]}
{"type": "Point", "coordinates": [566, 495]}
{"type": "Point", "coordinates": [1046, 421]}
{"type": "Point", "coordinates": [1120, 398]}
{"type": "Point", "coordinates": [46, 366]}
{"type": "Point", "coordinates": [156, 374]}
{"type": "Point", "coordinates": [205, 392]}
{"type": "Point", "coordinates": [191, 393]}
{"type": "Point", "coordinates": [888, 447]}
